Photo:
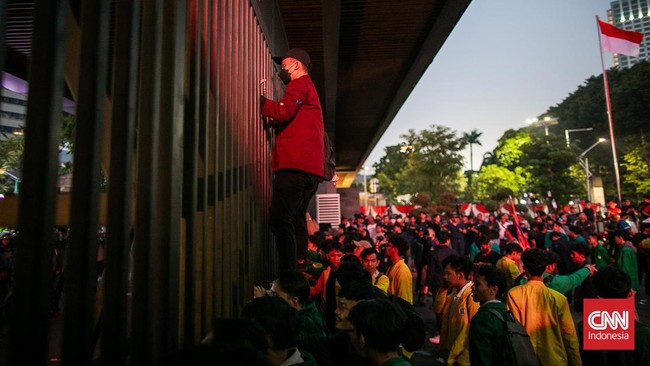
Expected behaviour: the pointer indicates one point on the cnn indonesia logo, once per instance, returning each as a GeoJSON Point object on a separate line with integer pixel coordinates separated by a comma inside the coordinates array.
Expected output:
{"type": "Point", "coordinates": [609, 324]}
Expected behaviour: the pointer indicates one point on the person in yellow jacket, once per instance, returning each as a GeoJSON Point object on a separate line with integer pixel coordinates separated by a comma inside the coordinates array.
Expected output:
{"type": "Point", "coordinates": [370, 262]}
{"type": "Point", "coordinates": [399, 274]}
{"type": "Point", "coordinates": [508, 263]}
{"type": "Point", "coordinates": [458, 310]}
{"type": "Point", "coordinates": [545, 314]}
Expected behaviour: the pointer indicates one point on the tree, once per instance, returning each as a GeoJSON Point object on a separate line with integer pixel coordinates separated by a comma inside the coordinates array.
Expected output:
{"type": "Point", "coordinates": [11, 151]}
{"type": "Point", "coordinates": [447, 203]}
{"type": "Point", "coordinates": [435, 161]}
{"type": "Point", "coordinates": [422, 199]}
{"type": "Point", "coordinates": [492, 178]}
{"type": "Point", "coordinates": [586, 107]}
{"type": "Point", "coordinates": [548, 162]}
{"type": "Point", "coordinates": [388, 168]}
{"type": "Point", "coordinates": [472, 138]}
{"type": "Point", "coordinates": [637, 164]}
{"type": "Point", "coordinates": [508, 152]}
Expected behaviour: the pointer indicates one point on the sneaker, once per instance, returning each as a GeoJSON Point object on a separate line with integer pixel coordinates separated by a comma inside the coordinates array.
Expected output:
{"type": "Point", "coordinates": [435, 340]}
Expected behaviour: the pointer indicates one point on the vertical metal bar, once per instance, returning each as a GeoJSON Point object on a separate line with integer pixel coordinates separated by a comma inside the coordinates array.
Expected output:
{"type": "Point", "coordinates": [166, 247]}
{"type": "Point", "coordinates": [204, 152]}
{"type": "Point", "coordinates": [224, 105]}
{"type": "Point", "coordinates": [243, 159]}
{"type": "Point", "coordinates": [3, 25]}
{"type": "Point", "coordinates": [118, 235]}
{"type": "Point", "coordinates": [213, 61]}
{"type": "Point", "coordinates": [236, 147]}
{"type": "Point", "coordinates": [271, 250]}
{"type": "Point", "coordinates": [29, 318]}
{"type": "Point", "coordinates": [221, 154]}
{"type": "Point", "coordinates": [261, 166]}
{"type": "Point", "coordinates": [190, 156]}
{"type": "Point", "coordinates": [257, 128]}
{"type": "Point", "coordinates": [208, 256]}
{"type": "Point", "coordinates": [247, 79]}
{"type": "Point", "coordinates": [255, 90]}
{"type": "Point", "coordinates": [81, 271]}
{"type": "Point", "coordinates": [228, 166]}
{"type": "Point", "coordinates": [148, 113]}
{"type": "Point", "coordinates": [243, 166]}
{"type": "Point", "coordinates": [259, 142]}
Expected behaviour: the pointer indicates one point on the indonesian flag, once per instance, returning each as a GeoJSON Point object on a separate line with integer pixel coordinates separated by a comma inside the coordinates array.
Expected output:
{"type": "Point", "coordinates": [617, 40]}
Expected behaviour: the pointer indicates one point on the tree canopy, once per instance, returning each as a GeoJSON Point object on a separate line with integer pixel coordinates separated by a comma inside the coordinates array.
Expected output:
{"type": "Point", "coordinates": [428, 161]}
{"type": "Point", "coordinates": [545, 163]}
{"type": "Point", "coordinates": [12, 148]}
{"type": "Point", "coordinates": [586, 107]}
{"type": "Point", "coordinates": [434, 161]}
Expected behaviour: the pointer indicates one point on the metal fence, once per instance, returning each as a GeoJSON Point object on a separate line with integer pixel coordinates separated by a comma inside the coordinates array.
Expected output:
{"type": "Point", "coordinates": [166, 93]}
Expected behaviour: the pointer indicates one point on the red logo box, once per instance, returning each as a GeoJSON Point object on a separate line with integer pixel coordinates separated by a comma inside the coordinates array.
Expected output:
{"type": "Point", "coordinates": [608, 324]}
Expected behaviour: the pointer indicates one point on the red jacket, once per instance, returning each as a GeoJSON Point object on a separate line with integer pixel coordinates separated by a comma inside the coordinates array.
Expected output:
{"type": "Point", "coordinates": [299, 141]}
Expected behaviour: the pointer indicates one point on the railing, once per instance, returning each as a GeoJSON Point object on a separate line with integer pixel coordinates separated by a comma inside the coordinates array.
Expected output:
{"type": "Point", "coordinates": [167, 108]}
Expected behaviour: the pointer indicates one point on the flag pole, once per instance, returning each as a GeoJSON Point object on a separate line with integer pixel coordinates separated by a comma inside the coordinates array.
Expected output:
{"type": "Point", "coordinates": [609, 113]}
{"type": "Point", "coordinates": [523, 242]}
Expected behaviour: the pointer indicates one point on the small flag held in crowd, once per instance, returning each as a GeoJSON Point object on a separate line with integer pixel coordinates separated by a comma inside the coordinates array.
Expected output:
{"type": "Point", "coordinates": [617, 40]}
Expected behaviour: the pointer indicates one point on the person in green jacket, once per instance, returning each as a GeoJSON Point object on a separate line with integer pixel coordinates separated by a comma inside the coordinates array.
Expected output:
{"type": "Point", "coordinates": [487, 334]}
{"type": "Point", "coordinates": [556, 228]}
{"type": "Point", "coordinates": [280, 324]}
{"type": "Point", "coordinates": [599, 255]}
{"type": "Point", "coordinates": [293, 287]}
{"type": "Point", "coordinates": [626, 258]}
{"type": "Point", "coordinates": [560, 283]}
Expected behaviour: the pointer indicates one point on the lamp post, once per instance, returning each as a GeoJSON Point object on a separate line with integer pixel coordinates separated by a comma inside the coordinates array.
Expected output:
{"type": "Point", "coordinates": [365, 187]}
{"type": "Point", "coordinates": [584, 162]}
{"type": "Point", "coordinates": [566, 133]}
{"type": "Point", "coordinates": [374, 187]}
{"type": "Point", "coordinates": [547, 121]}
{"type": "Point", "coordinates": [15, 179]}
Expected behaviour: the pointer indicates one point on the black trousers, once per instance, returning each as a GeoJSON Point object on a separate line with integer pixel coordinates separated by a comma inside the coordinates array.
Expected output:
{"type": "Point", "coordinates": [292, 191]}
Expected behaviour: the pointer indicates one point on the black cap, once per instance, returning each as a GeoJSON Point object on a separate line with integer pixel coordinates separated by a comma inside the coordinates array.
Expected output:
{"type": "Point", "coordinates": [297, 53]}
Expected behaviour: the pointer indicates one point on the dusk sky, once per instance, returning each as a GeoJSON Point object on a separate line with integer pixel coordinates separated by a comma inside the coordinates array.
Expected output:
{"type": "Point", "coordinates": [505, 61]}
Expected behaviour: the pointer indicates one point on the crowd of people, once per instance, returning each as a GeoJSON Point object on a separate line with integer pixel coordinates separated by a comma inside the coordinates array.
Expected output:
{"type": "Point", "coordinates": [58, 264]}
{"type": "Point", "coordinates": [475, 272]}
{"type": "Point", "coordinates": [353, 300]}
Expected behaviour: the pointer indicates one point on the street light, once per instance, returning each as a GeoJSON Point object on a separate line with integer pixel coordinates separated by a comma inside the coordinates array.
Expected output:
{"type": "Point", "coordinates": [12, 176]}
{"type": "Point", "coordinates": [584, 162]}
{"type": "Point", "coordinates": [547, 121]}
{"type": "Point", "coordinates": [566, 133]}
{"type": "Point", "coordinates": [365, 187]}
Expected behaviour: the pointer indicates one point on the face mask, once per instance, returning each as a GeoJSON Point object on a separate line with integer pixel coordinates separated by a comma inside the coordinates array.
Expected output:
{"type": "Point", "coordinates": [285, 75]}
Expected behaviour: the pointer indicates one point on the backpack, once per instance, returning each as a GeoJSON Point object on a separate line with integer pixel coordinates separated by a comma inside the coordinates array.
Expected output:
{"type": "Point", "coordinates": [329, 166]}
{"type": "Point", "coordinates": [520, 350]}
{"type": "Point", "coordinates": [414, 335]}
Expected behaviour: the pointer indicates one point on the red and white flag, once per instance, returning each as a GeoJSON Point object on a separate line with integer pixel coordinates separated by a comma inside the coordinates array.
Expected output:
{"type": "Point", "coordinates": [617, 40]}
